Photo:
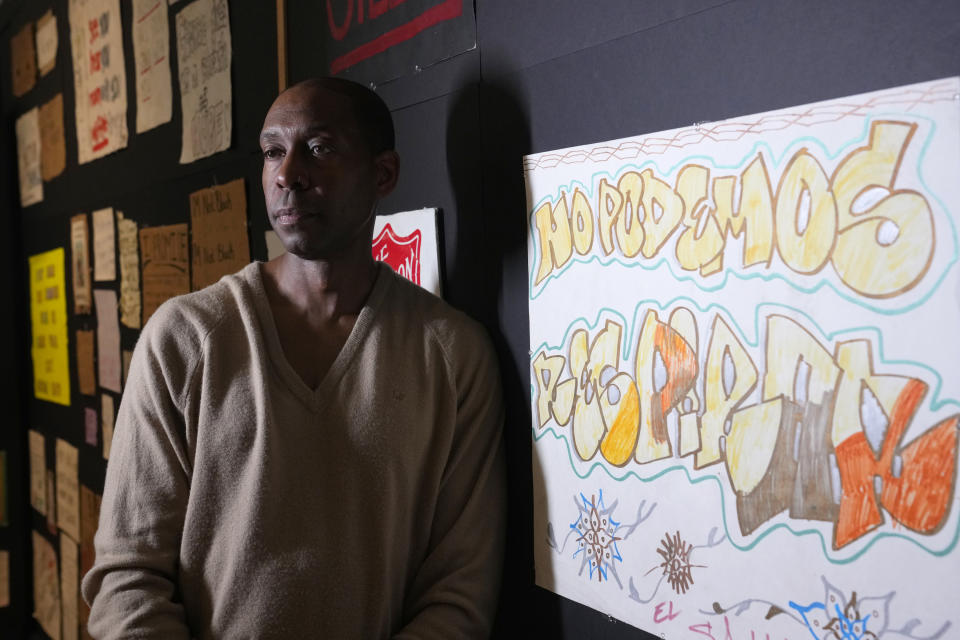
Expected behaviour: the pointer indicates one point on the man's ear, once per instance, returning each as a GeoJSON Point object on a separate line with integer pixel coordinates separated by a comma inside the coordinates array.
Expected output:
{"type": "Point", "coordinates": [388, 170]}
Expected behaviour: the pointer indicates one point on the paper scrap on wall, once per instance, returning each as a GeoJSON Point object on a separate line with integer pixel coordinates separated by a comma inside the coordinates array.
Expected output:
{"type": "Point", "coordinates": [23, 62]}
{"type": "Point", "coordinates": [46, 586]}
{"type": "Point", "coordinates": [89, 517]}
{"type": "Point", "coordinates": [164, 264]}
{"type": "Point", "coordinates": [218, 219]}
{"type": "Point", "coordinates": [203, 57]}
{"type": "Point", "coordinates": [104, 246]}
{"type": "Point", "coordinates": [68, 500]}
{"type": "Point", "coordinates": [99, 78]}
{"type": "Point", "coordinates": [53, 150]}
{"type": "Point", "coordinates": [744, 371]}
{"type": "Point", "coordinates": [4, 578]}
{"type": "Point", "coordinates": [108, 339]}
{"type": "Point", "coordinates": [86, 374]}
{"type": "Point", "coordinates": [129, 271]}
{"type": "Point", "coordinates": [151, 52]}
{"type": "Point", "coordinates": [38, 471]}
{"type": "Point", "coordinates": [407, 241]}
{"type": "Point", "coordinates": [48, 319]}
{"type": "Point", "coordinates": [47, 42]}
{"type": "Point", "coordinates": [69, 586]}
{"type": "Point", "coordinates": [90, 426]}
{"type": "Point", "coordinates": [28, 158]}
{"type": "Point", "coordinates": [108, 417]}
{"type": "Point", "coordinates": [80, 264]}
{"type": "Point", "coordinates": [51, 486]}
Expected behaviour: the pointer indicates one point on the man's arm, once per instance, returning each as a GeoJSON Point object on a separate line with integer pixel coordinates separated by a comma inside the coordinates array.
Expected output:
{"type": "Point", "coordinates": [132, 586]}
{"type": "Point", "coordinates": [454, 593]}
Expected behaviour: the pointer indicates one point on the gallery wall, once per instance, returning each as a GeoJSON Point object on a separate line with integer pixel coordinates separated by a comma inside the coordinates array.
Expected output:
{"type": "Point", "coordinates": [540, 75]}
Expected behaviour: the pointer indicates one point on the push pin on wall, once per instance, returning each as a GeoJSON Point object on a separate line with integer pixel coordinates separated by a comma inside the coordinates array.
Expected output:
{"type": "Point", "coordinates": [373, 85]}
{"type": "Point", "coordinates": [417, 68]}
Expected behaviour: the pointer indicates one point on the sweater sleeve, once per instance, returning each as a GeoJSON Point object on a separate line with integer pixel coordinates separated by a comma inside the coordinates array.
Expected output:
{"type": "Point", "coordinates": [454, 593]}
{"type": "Point", "coordinates": [132, 587]}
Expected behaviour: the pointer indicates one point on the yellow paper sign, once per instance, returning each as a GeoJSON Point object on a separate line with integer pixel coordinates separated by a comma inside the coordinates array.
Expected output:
{"type": "Point", "coordinates": [48, 318]}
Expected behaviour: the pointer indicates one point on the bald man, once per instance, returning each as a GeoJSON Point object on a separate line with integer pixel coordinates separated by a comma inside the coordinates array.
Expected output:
{"type": "Point", "coordinates": [311, 447]}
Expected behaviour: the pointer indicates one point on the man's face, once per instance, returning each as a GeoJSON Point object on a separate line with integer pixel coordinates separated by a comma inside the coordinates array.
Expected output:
{"type": "Point", "coordinates": [320, 178]}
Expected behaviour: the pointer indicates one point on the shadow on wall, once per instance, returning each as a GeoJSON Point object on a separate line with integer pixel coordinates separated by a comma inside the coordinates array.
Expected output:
{"type": "Point", "coordinates": [487, 137]}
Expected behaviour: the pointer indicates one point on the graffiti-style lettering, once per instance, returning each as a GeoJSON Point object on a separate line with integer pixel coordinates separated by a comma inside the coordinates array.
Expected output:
{"type": "Point", "coordinates": [782, 453]}
{"type": "Point", "coordinates": [879, 239]}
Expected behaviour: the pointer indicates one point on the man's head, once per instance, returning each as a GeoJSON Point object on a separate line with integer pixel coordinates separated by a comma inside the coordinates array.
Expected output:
{"type": "Point", "coordinates": [328, 159]}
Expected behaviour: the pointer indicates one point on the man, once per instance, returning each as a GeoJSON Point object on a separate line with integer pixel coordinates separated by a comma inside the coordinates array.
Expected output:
{"type": "Point", "coordinates": [309, 448]}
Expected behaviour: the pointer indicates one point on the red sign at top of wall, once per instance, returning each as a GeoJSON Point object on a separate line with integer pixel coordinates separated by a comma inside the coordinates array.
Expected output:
{"type": "Point", "coordinates": [395, 21]}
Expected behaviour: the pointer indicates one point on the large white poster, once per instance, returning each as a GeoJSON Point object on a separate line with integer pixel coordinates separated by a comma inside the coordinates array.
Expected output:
{"type": "Point", "coordinates": [99, 79]}
{"type": "Point", "coordinates": [745, 371]}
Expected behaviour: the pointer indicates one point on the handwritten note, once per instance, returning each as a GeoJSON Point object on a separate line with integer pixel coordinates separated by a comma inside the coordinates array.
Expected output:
{"type": "Point", "coordinates": [4, 578]}
{"type": "Point", "coordinates": [68, 501]}
{"type": "Point", "coordinates": [51, 502]}
{"type": "Point", "coordinates": [90, 426]}
{"type": "Point", "coordinates": [218, 216]}
{"type": "Point", "coordinates": [69, 585]}
{"type": "Point", "coordinates": [23, 62]}
{"type": "Point", "coordinates": [129, 272]}
{"type": "Point", "coordinates": [53, 150]}
{"type": "Point", "coordinates": [203, 57]}
{"type": "Point", "coordinates": [46, 586]}
{"type": "Point", "coordinates": [80, 264]}
{"type": "Point", "coordinates": [104, 262]}
{"type": "Point", "coordinates": [165, 263]}
{"type": "Point", "coordinates": [151, 52]}
{"type": "Point", "coordinates": [108, 339]}
{"type": "Point", "coordinates": [48, 316]}
{"type": "Point", "coordinates": [89, 517]}
{"type": "Point", "coordinates": [108, 417]}
{"type": "Point", "coordinates": [28, 158]}
{"type": "Point", "coordinates": [47, 42]}
{"type": "Point", "coordinates": [38, 471]}
{"type": "Point", "coordinates": [99, 79]}
{"type": "Point", "coordinates": [86, 376]}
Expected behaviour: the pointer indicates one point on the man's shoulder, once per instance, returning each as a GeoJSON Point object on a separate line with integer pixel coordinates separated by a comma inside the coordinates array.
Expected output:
{"type": "Point", "coordinates": [189, 318]}
{"type": "Point", "coordinates": [453, 330]}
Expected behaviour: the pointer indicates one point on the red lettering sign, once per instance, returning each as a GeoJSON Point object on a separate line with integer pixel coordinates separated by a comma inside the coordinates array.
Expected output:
{"type": "Point", "coordinates": [402, 253]}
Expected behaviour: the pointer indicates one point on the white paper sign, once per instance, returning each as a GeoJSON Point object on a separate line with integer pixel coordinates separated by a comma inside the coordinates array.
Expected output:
{"type": "Point", "coordinates": [745, 376]}
{"type": "Point", "coordinates": [28, 157]}
{"type": "Point", "coordinates": [99, 78]}
{"type": "Point", "coordinates": [407, 241]}
{"type": "Point", "coordinates": [203, 57]}
{"type": "Point", "coordinates": [108, 339]}
{"type": "Point", "coordinates": [151, 52]}
{"type": "Point", "coordinates": [104, 246]}
{"type": "Point", "coordinates": [47, 42]}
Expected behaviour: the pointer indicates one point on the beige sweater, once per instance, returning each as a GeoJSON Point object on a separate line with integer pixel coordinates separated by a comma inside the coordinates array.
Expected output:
{"type": "Point", "coordinates": [239, 503]}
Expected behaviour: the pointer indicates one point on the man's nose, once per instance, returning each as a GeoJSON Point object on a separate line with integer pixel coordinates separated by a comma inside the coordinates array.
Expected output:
{"type": "Point", "coordinates": [293, 172]}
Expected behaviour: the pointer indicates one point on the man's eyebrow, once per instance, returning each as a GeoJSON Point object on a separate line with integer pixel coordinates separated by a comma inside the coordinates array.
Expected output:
{"type": "Point", "coordinates": [277, 132]}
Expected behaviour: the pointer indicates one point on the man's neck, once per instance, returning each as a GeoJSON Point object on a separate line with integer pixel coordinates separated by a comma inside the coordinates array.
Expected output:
{"type": "Point", "coordinates": [323, 290]}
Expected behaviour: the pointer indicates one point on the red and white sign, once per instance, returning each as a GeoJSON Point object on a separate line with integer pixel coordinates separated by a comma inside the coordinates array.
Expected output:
{"type": "Point", "coordinates": [407, 241]}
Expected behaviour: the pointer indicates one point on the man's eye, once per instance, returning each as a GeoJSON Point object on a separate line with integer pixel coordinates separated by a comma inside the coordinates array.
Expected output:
{"type": "Point", "coordinates": [320, 149]}
{"type": "Point", "coordinates": [271, 153]}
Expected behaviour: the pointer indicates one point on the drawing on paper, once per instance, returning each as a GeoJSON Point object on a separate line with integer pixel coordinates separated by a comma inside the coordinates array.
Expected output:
{"type": "Point", "coordinates": [753, 318]}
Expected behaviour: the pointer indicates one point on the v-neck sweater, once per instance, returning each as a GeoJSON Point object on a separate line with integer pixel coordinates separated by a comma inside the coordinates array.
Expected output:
{"type": "Point", "coordinates": [240, 503]}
